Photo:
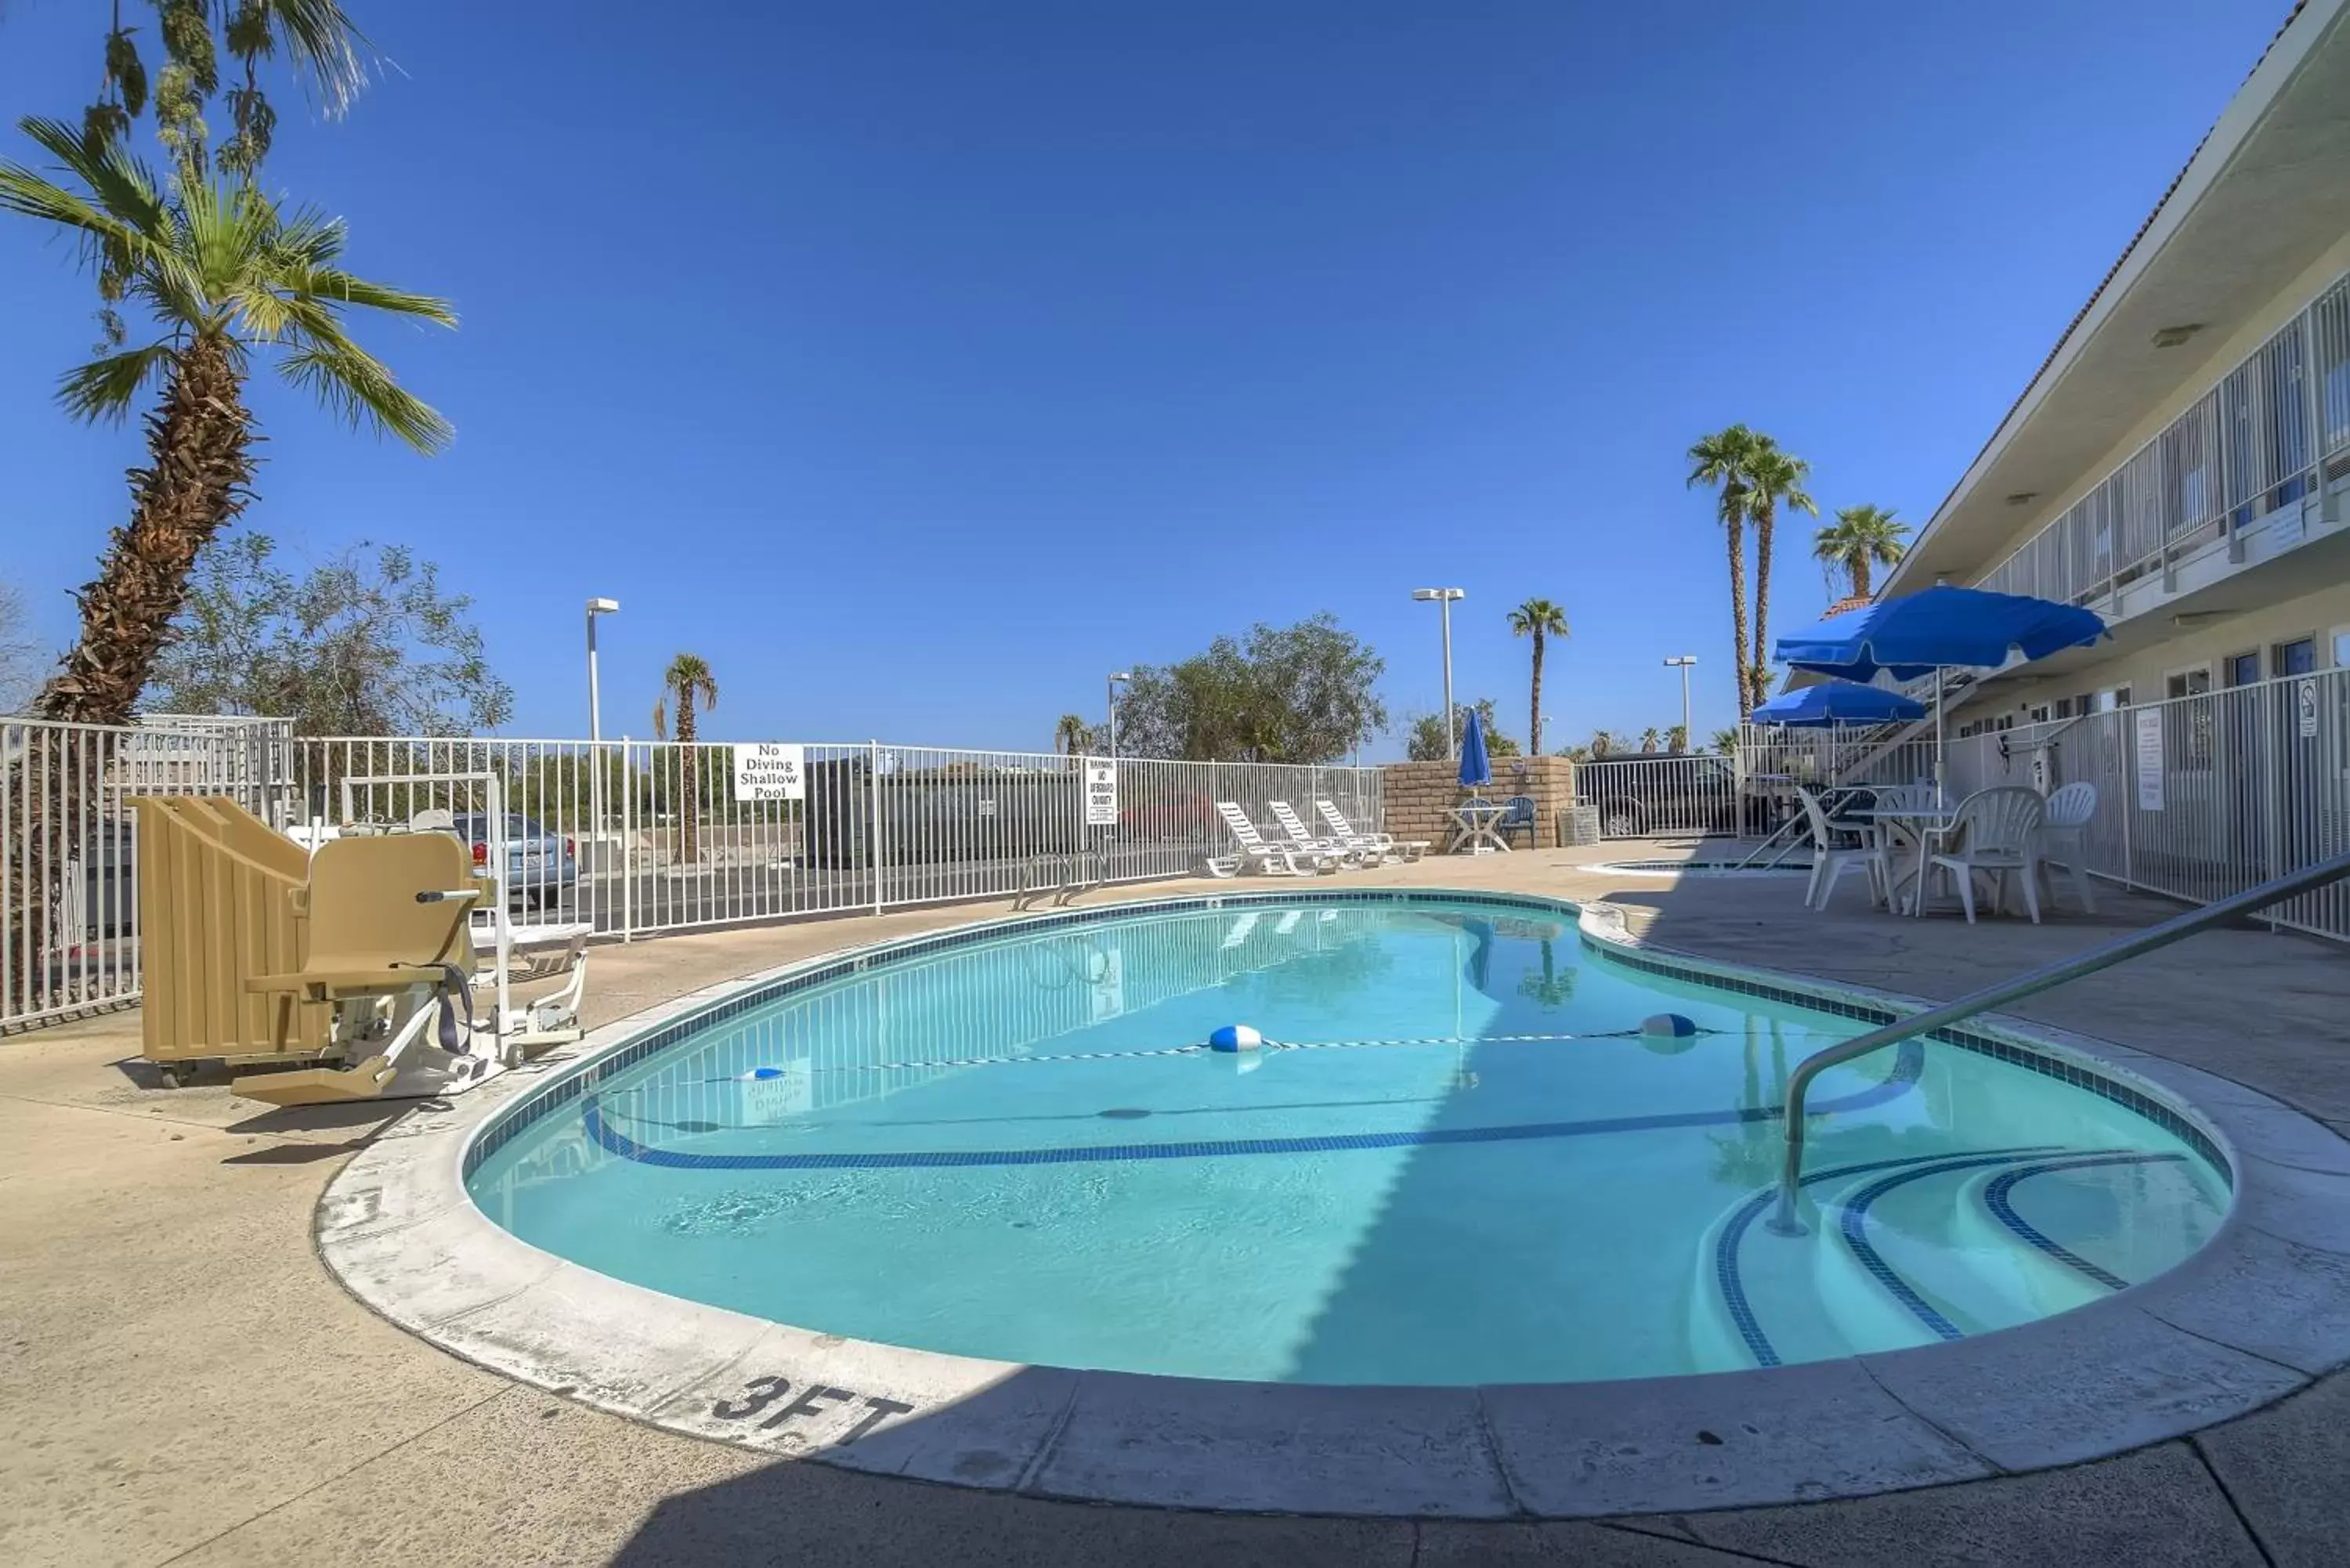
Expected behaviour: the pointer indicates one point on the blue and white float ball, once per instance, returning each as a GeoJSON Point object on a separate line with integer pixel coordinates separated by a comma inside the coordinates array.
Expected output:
{"type": "Point", "coordinates": [1235, 1037]}
{"type": "Point", "coordinates": [761, 1074]}
{"type": "Point", "coordinates": [1668, 1034]}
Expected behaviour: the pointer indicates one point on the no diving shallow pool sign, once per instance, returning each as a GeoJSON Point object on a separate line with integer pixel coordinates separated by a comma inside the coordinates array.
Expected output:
{"type": "Point", "coordinates": [770, 772]}
{"type": "Point", "coordinates": [2304, 699]}
{"type": "Point", "coordinates": [1101, 791]}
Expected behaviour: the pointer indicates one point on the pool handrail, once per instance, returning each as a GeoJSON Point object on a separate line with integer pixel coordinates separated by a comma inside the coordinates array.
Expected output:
{"type": "Point", "coordinates": [2031, 982]}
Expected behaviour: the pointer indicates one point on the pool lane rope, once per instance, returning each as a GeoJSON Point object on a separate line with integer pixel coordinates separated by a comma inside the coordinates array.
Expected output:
{"type": "Point", "coordinates": [757, 1074]}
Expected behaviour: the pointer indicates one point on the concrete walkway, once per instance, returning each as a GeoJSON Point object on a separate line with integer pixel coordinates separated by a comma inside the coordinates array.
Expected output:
{"type": "Point", "coordinates": [181, 1382]}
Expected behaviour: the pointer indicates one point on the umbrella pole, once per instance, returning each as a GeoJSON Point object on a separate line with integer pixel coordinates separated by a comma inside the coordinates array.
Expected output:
{"type": "Point", "coordinates": [1941, 778]}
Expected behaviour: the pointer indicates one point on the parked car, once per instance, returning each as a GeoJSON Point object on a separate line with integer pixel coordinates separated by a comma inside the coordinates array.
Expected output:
{"type": "Point", "coordinates": [541, 866]}
{"type": "Point", "coordinates": [1666, 796]}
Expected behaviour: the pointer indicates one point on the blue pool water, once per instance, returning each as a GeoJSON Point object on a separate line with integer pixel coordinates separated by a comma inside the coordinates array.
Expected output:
{"type": "Point", "coordinates": [1459, 1162]}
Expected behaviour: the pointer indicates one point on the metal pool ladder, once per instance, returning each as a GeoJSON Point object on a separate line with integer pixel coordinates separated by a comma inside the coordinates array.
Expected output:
{"type": "Point", "coordinates": [2030, 983]}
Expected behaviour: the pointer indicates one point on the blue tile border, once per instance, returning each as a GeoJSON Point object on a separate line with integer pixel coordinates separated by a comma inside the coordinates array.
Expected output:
{"type": "Point", "coordinates": [1996, 1198]}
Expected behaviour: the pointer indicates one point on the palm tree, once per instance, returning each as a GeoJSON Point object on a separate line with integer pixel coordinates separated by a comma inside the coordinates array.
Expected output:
{"type": "Point", "coordinates": [1650, 737]}
{"type": "Point", "coordinates": [1722, 459]}
{"type": "Point", "coordinates": [225, 275]}
{"type": "Point", "coordinates": [1860, 538]}
{"type": "Point", "coordinates": [688, 680]}
{"type": "Point", "coordinates": [1677, 739]}
{"type": "Point", "coordinates": [1774, 479]}
{"type": "Point", "coordinates": [1601, 744]}
{"type": "Point", "coordinates": [1725, 742]}
{"type": "Point", "coordinates": [1538, 618]}
{"type": "Point", "coordinates": [1072, 735]}
{"type": "Point", "coordinates": [1554, 987]}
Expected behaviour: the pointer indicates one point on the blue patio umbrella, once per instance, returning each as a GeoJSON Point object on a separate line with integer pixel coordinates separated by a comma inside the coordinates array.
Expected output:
{"type": "Point", "coordinates": [1941, 628]}
{"type": "Point", "coordinates": [1476, 769]}
{"type": "Point", "coordinates": [1839, 703]}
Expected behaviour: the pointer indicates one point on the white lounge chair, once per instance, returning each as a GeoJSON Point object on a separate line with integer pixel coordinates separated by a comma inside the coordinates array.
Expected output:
{"type": "Point", "coordinates": [2065, 828]}
{"type": "Point", "coordinates": [1387, 843]}
{"type": "Point", "coordinates": [1300, 838]}
{"type": "Point", "coordinates": [1997, 832]}
{"type": "Point", "coordinates": [1270, 859]}
{"type": "Point", "coordinates": [1835, 850]}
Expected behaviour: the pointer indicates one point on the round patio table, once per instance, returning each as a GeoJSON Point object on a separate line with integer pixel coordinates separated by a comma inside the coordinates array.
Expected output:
{"type": "Point", "coordinates": [1906, 830]}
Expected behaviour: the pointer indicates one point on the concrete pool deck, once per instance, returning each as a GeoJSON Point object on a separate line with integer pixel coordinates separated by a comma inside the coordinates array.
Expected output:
{"type": "Point", "coordinates": [185, 1383]}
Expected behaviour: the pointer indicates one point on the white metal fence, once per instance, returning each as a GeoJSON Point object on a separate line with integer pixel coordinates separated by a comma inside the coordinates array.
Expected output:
{"type": "Point", "coordinates": [630, 837]}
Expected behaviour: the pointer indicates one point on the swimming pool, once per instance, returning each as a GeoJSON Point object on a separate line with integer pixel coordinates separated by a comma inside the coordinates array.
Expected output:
{"type": "Point", "coordinates": [1458, 1160]}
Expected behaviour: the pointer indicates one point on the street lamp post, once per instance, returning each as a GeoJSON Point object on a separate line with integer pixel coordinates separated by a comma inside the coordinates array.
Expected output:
{"type": "Point", "coordinates": [1684, 661]}
{"type": "Point", "coordinates": [1444, 597]}
{"type": "Point", "coordinates": [596, 724]}
{"type": "Point", "coordinates": [1111, 685]}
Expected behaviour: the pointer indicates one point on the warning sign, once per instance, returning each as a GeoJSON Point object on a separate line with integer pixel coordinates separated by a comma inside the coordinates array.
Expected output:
{"type": "Point", "coordinates": [1101, 793]}
{"type": "Point", "coordinates": [770, 772]}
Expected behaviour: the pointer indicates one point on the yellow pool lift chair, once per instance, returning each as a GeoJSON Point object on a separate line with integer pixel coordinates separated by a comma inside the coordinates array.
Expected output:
{"type": "Point", "coordinates": [389, 950]}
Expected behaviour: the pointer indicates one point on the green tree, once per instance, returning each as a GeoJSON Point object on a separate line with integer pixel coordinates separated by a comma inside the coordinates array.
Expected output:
{"type": "Point", "coordinates": [326, 50]}
{"type": "Point", "coordinates": [225, 275]}
{"type": "Point", "coordinates": [1538, 618]}
{"type": "Point", "coordinates": [1072, 735]}
{"type": "Point", "coordinates": [1774, 478]}
{"type": "Point", "coordinates": [1725, 742]}
{"type": "Point", "coordinates": [367, 643]}
{"type": "Point", "coordinates": [1300, 693]}
{"type": "Point", "coordinates": [1723, 460]}
{"type": "Point", "coordinates": [1677, 739]}
{"type": "Point", "coordinates": [1427, 742]}
{"type": "Point", "coordinates": [1861, 538]}
{"type": "Point", "coordinates": [688, 682]}
{"type": "Point", "coordinates": [1601, 746]}
{"type": "Point", "coordinates": [1651, 738]}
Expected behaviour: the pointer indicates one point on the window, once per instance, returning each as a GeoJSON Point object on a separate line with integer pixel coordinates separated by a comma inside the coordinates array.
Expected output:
{"type": "Point", "coordinates": [2342, 648]}
{"type": "Point", "coordinates": [2113, 697]}
{"type": "Point", "coordinates": [2298, 657]}
{"type": "Point", "coordinates": [2240, 669]}
{"type": "Point", "coordinates": [2063, 706]}
{"type": "Point", "coordinates": [2036, 714]}
{"type": "Point", "coordinates": [2192, 683]}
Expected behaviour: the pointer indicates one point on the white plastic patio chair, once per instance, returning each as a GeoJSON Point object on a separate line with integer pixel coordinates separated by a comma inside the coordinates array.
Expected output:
{"type": "Point", "coordinates": [1997, 832]}
{"type": "Point", "coordinates": [1301, 839]}
{"type": "Point", "coordinates": [1387, 843]}
{"type": "Point", "coordinates": [1835, 850]}
{"type": "Point", "coordinates": [2066, 828]}
{"type": "Point", "coordinates": [1271, 859]}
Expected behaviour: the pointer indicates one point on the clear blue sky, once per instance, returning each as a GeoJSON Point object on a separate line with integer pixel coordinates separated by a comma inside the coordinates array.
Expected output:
{"type": "Point", "coordinates": [917, 364]}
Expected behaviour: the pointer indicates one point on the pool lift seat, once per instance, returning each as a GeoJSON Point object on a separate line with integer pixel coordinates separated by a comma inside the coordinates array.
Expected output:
{"type": "Point", "coordinates": [389, 951]}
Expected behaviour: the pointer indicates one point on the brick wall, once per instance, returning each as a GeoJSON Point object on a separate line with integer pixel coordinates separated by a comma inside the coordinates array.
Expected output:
{"type": "Point", "coordinates": [1417, 794]}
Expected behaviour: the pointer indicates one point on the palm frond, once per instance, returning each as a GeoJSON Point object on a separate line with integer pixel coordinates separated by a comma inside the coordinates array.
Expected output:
{"type": "Point", "coordinates": [103, 389]}
{"type": "Point", "coordinates": [325, 48]}
{"type": "Point", "coordinates": [344, 288]}
{"type": "Point", "coordinates": [359, 389]}
{"type": "Point", "coordinates": [118, 183]}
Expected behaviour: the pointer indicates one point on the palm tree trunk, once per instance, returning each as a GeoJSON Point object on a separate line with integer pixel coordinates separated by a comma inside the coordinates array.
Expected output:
{"type": "Point", "coordinates": [690, 812]}
{"type": "Point", "coordinates": [1766, 515]}
{"type": "Point", "coordinates": [1534, 719]}
{"type": "Point", "coordinates": [200, 440]}
{"type": "Point", "coordinates": [1859, 564]}
{"type": "Point", "coordinates": [1735, 527]}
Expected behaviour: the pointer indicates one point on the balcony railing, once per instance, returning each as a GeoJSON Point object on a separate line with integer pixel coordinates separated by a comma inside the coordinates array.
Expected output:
{"type": "Point", "coordinates": [2271, 432]}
